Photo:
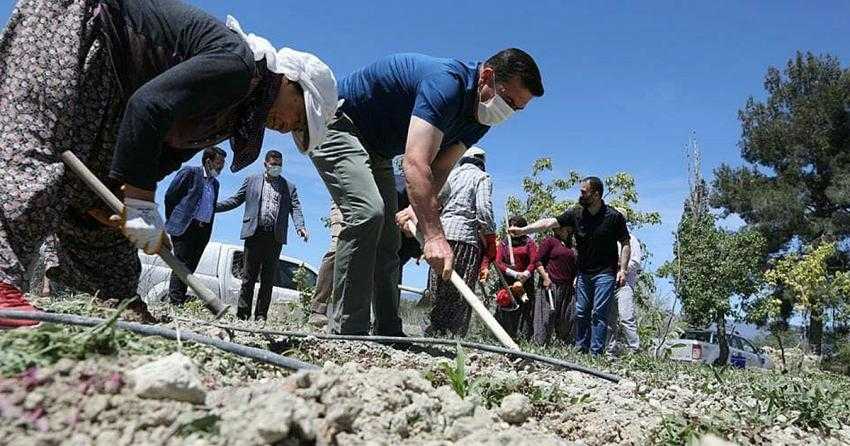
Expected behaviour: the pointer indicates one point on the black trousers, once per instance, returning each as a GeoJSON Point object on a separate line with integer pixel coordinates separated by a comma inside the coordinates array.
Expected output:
{"type": "Point", "coordinates": [188, 248]}
{"type": "Point", "coordinates": [262, 252]}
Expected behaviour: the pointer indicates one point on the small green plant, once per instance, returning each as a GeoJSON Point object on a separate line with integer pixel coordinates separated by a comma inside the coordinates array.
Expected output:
{"type": "Point", "coordinates": [456, 373]}
{"type": "Point", "coordinates": [306, 288]}
{"type": "Point", "coordinates": [195, 309]}
{"type": "Point", "coordinates": [581, 399]}
{"type": "Point", "coordinates": [808, 405]}
{"type": "Point", "coordinates": [493, 391]}
{"type": "Point", "coordinates": [838, 361]}
{"type": "Point", "coordinates": [678, 430]}
{"type": "Point", "coordinates": [204, 425]}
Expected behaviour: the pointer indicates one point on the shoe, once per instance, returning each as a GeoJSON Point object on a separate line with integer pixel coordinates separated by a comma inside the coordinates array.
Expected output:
{"type": "Point", "coordinates": [139, 311]}
{"type": "Point", "coordinates": [11, 298]}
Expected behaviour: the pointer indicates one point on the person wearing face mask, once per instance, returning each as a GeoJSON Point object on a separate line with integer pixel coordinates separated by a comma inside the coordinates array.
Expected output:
{"type": "Point", "coordinates": [190, 212]}
{"type": "Point", "coordinates": [602, 267]}
{"type": "Point", "coordinates": [270, 200]}
{"type": "Point", "coordinates": [431, 110]}
{"type": "Point", "coordinates": [134, 89]}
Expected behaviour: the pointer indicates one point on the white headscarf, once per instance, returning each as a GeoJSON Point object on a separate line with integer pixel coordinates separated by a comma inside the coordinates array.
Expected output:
{"type": "Point", "coordinates": [314, 76]}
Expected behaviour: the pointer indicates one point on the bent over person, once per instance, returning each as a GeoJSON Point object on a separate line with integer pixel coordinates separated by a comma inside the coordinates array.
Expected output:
{"type": "Point", "coordinates": [467, 218]}
{"type": "Point", "coordinates": [134, 89]}
{"type": "Point", "coordinates": [431, 110]}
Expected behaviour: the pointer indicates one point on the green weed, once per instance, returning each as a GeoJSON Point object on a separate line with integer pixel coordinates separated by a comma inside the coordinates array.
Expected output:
{"type": "Point", "coordinates": [456, 373]}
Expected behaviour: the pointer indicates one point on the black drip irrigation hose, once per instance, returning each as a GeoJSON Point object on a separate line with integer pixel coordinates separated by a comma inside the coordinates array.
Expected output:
{"type": "Point", "coordinates": [428, 341]}
{"type": "Point", "coordinates": [257, 354]}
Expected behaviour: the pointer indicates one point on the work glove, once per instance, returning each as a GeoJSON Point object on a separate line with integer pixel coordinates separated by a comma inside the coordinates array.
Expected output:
{"type": "Point", "coordinates": [142, 225]}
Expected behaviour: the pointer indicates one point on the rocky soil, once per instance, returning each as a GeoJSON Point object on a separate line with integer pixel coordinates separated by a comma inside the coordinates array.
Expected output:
{"type": "Point", "coordinates": [377, 394]}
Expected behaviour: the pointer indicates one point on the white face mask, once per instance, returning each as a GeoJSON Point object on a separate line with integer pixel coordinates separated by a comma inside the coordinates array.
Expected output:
{"type": "Point", "coordinates": [495, 111]}
{"type": "Point", "coordinates": [274, 171]}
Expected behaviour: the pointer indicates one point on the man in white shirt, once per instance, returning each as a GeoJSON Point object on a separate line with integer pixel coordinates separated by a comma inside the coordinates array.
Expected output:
{"type": "Point", "coordinates": [621, 317]}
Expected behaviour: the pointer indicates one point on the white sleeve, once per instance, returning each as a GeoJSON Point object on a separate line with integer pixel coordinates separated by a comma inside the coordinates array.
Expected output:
{"type": "Point", "coordinates": [637, 254]}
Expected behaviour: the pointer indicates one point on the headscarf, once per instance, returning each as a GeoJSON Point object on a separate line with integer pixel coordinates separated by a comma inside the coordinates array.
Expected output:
{"type": "Point", "coordinates": [314, 76]}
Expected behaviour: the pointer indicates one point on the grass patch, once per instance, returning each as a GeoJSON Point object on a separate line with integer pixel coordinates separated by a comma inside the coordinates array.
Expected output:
{"type": "Point", "coordinates": [46, 344]}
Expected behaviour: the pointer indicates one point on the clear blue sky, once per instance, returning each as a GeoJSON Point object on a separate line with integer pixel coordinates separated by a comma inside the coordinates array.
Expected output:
{"type": "Point", "coordinates": [625, 83]}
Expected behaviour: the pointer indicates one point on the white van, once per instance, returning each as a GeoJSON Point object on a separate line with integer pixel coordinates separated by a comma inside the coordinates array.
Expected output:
{"type": "Point", "coordinates": [220, 269]}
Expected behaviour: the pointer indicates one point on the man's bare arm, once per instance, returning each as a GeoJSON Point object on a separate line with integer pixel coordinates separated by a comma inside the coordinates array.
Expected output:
{"type": "Point", "coordinates": [538, 226]}
{"type": "Point", "coordinates": [625, 255]}
{"type": "Point", "coordinates": [426, 170]}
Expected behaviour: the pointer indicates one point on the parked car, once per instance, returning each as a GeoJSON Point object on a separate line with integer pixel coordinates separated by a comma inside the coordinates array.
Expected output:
{"type": "Point", "coordinates": [220, 269]}
{"type": "Point", "coordinates": [701, 346]}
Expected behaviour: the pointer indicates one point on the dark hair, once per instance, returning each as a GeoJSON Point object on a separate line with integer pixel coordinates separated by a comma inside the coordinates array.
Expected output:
{"type": "Point", "coordinates": [210, 153]}
{"type": "Point", "coordinates": [273, 154]}
{"type": "Point", "coordinates": [518, 220]}
{"type": "Point", "coordinates": [595, 184]}
{"type": "Point", "coordinates": [514, 62]}
{"type": "Point", "coordinates": [569, 241]}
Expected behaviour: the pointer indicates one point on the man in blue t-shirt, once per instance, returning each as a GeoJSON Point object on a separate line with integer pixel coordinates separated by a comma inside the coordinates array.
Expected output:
{"type": "Point", "coordinates": [431, 110]}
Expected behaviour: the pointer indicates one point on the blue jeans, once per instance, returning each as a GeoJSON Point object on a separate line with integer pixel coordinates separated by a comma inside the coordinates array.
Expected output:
{"type": "Point", "coordinates": [593, 298]}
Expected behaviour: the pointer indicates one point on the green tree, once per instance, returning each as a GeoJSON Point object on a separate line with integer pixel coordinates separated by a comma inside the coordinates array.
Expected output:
{"type": "Point", "coordinates": [545, 197]}
{"type": "Point", "coordinates": [710, 266]}
{"type": "Point", "coordinates": [795, 187]}
{"type": "Point", "coordinates": [809, 280]}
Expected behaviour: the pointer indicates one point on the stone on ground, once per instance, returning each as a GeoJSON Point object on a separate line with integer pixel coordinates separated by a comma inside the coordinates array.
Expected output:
{"type": "Point", "coordinates": [515, 408]}
{"type": "Point", "coordinates": [174, 377]}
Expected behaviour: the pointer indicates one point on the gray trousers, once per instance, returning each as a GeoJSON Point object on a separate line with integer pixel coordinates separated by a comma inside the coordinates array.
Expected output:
{"type": "Point", "coordinates": [622, 321]}
{"type": "Point", "coordinates": [366, 264]}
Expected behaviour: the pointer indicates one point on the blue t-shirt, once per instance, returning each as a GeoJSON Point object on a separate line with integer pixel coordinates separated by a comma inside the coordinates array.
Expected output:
{"type": "Point", "coordinates": [380, 98]}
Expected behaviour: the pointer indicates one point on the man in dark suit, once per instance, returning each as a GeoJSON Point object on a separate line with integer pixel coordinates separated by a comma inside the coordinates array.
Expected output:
{"type": "Point", "coordinates": [269, 200]}
{"type": "Point", "coordinates": [190, 212]}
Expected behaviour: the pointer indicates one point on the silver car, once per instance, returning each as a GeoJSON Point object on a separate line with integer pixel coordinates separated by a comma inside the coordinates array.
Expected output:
{"type": "Point", "coordinates": [220, 269]}
{"type": "Point", "coordinates": [701, 346]}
